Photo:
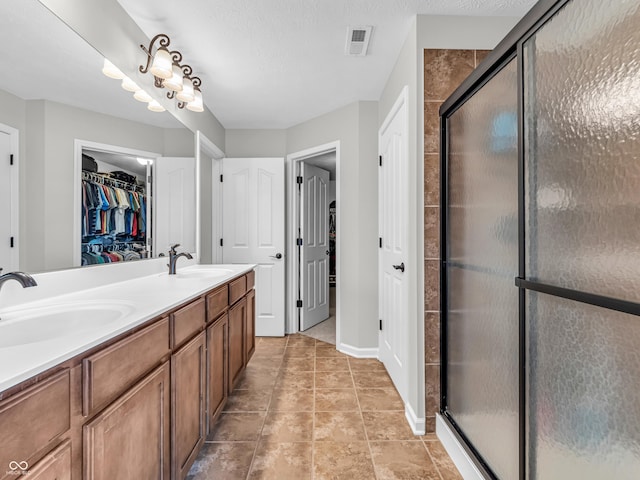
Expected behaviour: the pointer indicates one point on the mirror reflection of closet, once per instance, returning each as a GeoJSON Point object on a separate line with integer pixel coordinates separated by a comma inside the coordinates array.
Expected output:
{"type": "Point", "coordinates": [116, 207]}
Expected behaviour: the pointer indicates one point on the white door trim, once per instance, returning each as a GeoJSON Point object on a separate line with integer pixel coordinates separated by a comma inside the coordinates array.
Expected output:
{"type": "Point", "coordinates": [14, 135]}
{"type": "Point", "coordinates": [77, 181]}
{"type": "Point", "coordinates": [293, 214]}
{"type": "Point", "coordinates": [203, 144]}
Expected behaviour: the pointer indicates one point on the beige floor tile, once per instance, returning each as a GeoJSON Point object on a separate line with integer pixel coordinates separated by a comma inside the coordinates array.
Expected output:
{"type": "Point", "coordinates": [334, 380]}
{"type": "Point", "coordinates": [224, 461]}
{"type": "Point", "coordinates": [369, 379]}
{"type": "Point", "coordinates": [299, 352]}
{"type": "Point", "coordinates": [298, 364]}
{"type": "Point", "coordinates": [237, 427]}
{"type": "Point", "coordinates": [387, 426]}
{"type": "Point", "coordinates": [248, 401]}
{"type": "Point", "coordinates": [257, 380]}
{"type": "Point", "coordinates": [338, 427]}
{"type": "Point", "coordinates": [336, 399]}
{"type": "Point", "coordinates": [292, 400]}
{"type": "Point", "coordinates": [271, 341]}
{"type": "Point", "coordinates": [324, 344]}
{"type": "Point", "coordinates": [331, 364]}
{"type": "Point", "coordinates": [379, 399]}
{"type": "Point", "coordinates": [258, 363]}
{"type": "Point", "coordinates": [301, 341]}
{"type": "Point", "coordinates": [442, 460]}
{"type": "Point", "coordinates": [366, 364]}
{"type": "Point", "coordinates": [329, 351]}
{"type": "Point", "coordinates": [403, 461]}
{"type": "Point", "coordinates": [292, 379]}
{"type": "Point", "coordinates": [268, 351]}
{"type": "Point", "coordinates": [342, 461]}
{"type": "Point", "coordinates": [282, 461]}
{"type": "Point", "coordinates": [288, 427]}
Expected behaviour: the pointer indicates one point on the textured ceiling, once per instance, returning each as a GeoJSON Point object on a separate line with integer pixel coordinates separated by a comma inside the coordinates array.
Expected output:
{"type": "Point", "coordinates": [276, 63]}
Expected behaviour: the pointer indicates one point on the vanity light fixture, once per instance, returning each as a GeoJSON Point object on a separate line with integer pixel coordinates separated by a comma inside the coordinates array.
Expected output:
{"type": "Point", "coordinates": [111, 71]}
{"type": "Point", "coordinates": [144, 161]}
{"type": "Point", "coordinates": [169, 73]}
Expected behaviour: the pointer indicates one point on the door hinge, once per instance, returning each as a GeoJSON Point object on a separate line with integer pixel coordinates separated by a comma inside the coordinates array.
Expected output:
{"type": "Point", "coordinates": [220, 178]}
{"type": "Point", "coordinates": [380, 160]}
{"type": "Point", "coordinates": [299, 180]}
{"type": "Point", "coordinates": [221, 243]}
{"type": "Point", "coordinates": [380, 324]}
{"type": "Point", "coordinates": [380, 242]}
{"type": "Point", "coordinates": [11, 242]}
{"type": "Point", "coordinates": [11, 159]}
{"type": "Point", "coordinates": [299, 242]}
{"type": "Point", "coordinates": [150, 179]}
{"type": "Point", "coordinates": [299, 304]}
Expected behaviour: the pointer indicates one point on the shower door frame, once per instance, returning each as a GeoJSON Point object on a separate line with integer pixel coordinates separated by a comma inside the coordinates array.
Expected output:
{"type": "Point", "coordinates": [508, 49]}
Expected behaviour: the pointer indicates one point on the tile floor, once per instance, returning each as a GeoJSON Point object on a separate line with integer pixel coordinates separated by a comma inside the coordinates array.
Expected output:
{"type": "Point", "coordinates": [303, 410]}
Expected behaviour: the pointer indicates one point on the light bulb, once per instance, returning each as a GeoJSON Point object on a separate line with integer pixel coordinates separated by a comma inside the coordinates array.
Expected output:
{"type": "Point", "coordinates": [142, 96]}
{"type": "Point", "coordinates": [196, 104]}
{"type": "Point", "coordinates": [144, 161]}
{"type": "Point", "coordinates": [162, 63]}
{"type": "Point", "coordinates": [111, 71]}
{"type": "Point", "coordinates": [155, 106]}
{"type": "Point", "coordinates": [129, 85]}
{"type": "Point", "coordinates": [175, 82]}
{"type": "Point", "coordinates": [186, 95]}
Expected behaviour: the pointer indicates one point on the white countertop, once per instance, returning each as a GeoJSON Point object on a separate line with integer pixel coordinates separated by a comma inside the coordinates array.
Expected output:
{"type": "Point", "coordinates": [138, 300]}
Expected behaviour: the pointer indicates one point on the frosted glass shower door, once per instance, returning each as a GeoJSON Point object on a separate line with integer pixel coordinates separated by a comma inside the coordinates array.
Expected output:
{"type": "Point", "coordinates": [481, 263]}
{"type": "Point", "coordinates": [582, 124]}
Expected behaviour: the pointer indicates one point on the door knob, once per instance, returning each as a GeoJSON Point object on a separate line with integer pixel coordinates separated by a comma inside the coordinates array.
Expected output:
{"type": "Point", "coordinates": [399, 267]}
{"type": "Point", "coordinates": [327, 252]}
{"type": "Point", "coordinates": [277, 256]}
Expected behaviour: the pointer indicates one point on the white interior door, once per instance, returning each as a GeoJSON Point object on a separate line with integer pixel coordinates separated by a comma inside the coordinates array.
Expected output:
{"type": "Point", "coordinates": [253, 232]}
{"type": "Point", "coordinates": [8, 260]}
{"type": "Point", "coordinates": [314, 253]}
{"type": "Point", "coordinates": [174, 200]}
{"type": "Point", "coordinates": [393, 198]}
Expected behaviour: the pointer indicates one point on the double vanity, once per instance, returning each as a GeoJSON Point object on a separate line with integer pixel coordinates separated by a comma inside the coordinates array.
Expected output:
{"type": "Point", "coordinates": [122, 379]}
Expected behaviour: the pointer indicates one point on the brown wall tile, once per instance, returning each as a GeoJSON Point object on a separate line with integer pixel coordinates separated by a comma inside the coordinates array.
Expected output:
{"type": "Point", "coordinates": [445, 70]}
{"type": "Point", "coordinates": [432, 285]}
{"type": "Point", "coordinates": [431, 179]}
{"type": "Point", "coordinates": [432, 337]}
{"type": "Point", "coordinates": [432, 233]}
{"type": "Point", "coordinates": [432, 373]}
{"type": "Point", "coordinates": [431, 424]}
{"type": "Point", "coordinates": [431, 127]}
{"type": "Point", "coordinates": [481, 55]}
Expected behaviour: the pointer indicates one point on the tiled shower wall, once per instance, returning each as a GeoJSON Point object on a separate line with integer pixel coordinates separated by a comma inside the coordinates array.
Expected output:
{"type": "Point", "coordinates": [444, 71]}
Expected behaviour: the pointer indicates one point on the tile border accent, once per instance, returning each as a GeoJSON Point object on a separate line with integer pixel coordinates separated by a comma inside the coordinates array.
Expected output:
{"type": "Point", "coordinates": [417, 424]}
{"type": "Point", "coordinates": [460, 458]}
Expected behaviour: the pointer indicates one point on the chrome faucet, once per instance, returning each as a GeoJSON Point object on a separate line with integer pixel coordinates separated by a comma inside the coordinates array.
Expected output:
{"type": "Point", "coordinates": [22, 278]}
{"type": "Point", "coordinates": [173, 258]}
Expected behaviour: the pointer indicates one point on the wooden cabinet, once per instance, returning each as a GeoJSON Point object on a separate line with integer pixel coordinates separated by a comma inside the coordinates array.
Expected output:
{"type": "Point", "coordinates": [54, 466]}
{"type": "Point", "coordinates": [33, 420]}
{"type": "Point", "coordinates": [130, 438]}
{"type": "Point", "coordinates": [188, 395]}
{"type": "Point", "coordinates": [250, 326]}
{"type": "Point", "coordinates": [237, 320]}
{"type": "Point", "coordinates": [186, 322]}
{"type": "Point", "coordinates": [217, 367]}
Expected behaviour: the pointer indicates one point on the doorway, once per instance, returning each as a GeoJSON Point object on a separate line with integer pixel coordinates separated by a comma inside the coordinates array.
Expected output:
{"type": "Point", "coordinates": [314, 233]}
{"type": "Point", "coordinates": [8, 199]}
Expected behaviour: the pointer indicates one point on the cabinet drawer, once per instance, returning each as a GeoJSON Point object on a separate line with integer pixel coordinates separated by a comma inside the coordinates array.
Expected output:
{"type": "Point", "coordinates": [251, 279]}
{"type": "Point", "coordinates": [217, 301]}
{"type": "Point", "coordinates": [55, 466]}
{"type": "Point", "coordinates": [237, 289]}
{"type": "Point", "coordinates": [187, 321]}
{"type": "Point", "coordinates": [111, 371]}
{"type": "Point", "coordinates": [31, 420]}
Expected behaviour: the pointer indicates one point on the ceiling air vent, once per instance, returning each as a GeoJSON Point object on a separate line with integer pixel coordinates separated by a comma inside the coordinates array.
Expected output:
{"type": "Point", "coordinates": [357, 41]}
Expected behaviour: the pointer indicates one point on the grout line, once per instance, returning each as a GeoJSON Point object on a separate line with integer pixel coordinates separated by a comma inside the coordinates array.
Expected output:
{"type": "Point", "coordinates": [364, 426]}
{"type": "Point", "coordinates": [432, 460]}
{"type": "Point", "coordinates": [313, 415]}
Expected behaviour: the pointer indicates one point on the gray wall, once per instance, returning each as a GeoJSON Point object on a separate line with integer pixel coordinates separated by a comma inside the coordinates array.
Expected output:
{"type": "Point", "coordinates": [255, 143]}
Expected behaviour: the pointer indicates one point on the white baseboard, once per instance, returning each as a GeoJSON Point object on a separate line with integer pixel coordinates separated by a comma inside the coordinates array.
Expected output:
{"type": "Point", "coordinates": [358, 352]}
{"type": "Point", "coordinates": [417, 424]}
{"type": "Point", "coordinates": [456, 451]}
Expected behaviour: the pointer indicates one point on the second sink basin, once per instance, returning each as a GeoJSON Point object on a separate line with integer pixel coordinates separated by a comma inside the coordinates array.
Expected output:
{"type": "Point", "coordinates": [44, 323]}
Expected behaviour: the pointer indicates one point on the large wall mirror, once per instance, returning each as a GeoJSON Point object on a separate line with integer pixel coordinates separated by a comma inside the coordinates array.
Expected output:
{"type": "Point", "coordinates": [56, 108]}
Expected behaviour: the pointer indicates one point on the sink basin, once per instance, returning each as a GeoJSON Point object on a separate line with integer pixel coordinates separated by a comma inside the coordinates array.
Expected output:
{"type": "Point", "coordinates": [41, 324]}
{"type": "Point", "coordinates": [203, 271]}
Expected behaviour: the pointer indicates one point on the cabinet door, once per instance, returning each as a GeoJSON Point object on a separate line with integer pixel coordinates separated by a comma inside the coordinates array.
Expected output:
{"type": "Point", "coordinates": [55, 466]}
{"type": "Point", "coordinates": [218, 365]}
{"type": "Point", "coordinates": [250, 326]}
{"type": "Point", "coordinates": [130, 439]}
{"type": "Point", "coordinates": [187, 404]}
{"type": "Point", "coordinates": [237, 316]}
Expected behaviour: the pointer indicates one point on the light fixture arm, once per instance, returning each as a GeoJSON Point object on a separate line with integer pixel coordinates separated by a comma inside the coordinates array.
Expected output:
{"type": "Point", "coordinates": [163, 41]}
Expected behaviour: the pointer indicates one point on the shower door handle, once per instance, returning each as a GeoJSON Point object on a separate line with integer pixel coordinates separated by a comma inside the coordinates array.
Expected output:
{"type": "Point", "coordinates": [399, 267]}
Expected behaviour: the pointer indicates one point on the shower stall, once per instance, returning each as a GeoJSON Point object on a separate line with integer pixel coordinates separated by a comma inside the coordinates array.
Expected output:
{"type": "Point", "coordinates": [541, 248]}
